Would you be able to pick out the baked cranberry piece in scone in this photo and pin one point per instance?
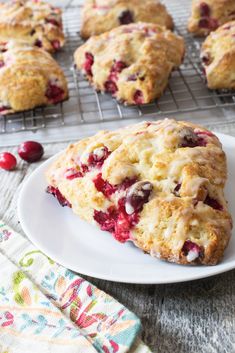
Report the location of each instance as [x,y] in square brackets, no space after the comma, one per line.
[158,184]
[131,62]
[29,77]
[35,22]
[99,16]
[208,15]
[218,57]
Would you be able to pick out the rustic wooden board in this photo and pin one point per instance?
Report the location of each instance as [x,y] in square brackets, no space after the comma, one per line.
[192,317]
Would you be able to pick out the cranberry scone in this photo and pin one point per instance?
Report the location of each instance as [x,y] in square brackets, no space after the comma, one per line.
[208,15]
[157,184]
[36,22]
[29,77]
[99,16]
[131,62]
[218,57]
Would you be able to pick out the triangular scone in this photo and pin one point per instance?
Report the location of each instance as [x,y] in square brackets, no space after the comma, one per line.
[99,16]
[131,62]
[158,184]
[207,15]
[218,57]
[35,22]
[29,77]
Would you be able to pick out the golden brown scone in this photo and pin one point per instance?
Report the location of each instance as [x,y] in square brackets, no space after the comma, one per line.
[158,184]
[208,15]
[218,57]
[35,22]
[99,16]
[131,62]
[29,77]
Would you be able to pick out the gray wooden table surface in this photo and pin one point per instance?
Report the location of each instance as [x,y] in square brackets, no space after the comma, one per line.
[195,317]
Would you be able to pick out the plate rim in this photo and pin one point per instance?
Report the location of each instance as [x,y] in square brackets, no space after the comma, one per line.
[218,269]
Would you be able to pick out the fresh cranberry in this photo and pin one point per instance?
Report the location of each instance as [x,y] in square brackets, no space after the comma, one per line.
[1,63]
[110,87]
[117,221]
[106,220]
[38,43]
[30,151]
[213,203]
[7,161]
[117,67]
[193,248]
[56,44]
[97,157]
[53,22]
[137,196]
[208,23]
[54,93]
[138,97]
[177,189]
[4,109]
[126,17]
[57,194]
[190,139]
[88,63]
[206,59]
[73,173]
[103,185]
[204,10]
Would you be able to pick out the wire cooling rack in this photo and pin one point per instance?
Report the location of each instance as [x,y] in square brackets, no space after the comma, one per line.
[187,91]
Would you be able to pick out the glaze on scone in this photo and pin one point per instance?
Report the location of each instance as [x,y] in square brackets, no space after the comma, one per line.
[131,62]
[29,77]
[158,184]
[35,22]
[99,16]
[208,15]
[218,57]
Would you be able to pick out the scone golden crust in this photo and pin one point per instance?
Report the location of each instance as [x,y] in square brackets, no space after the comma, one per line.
[158,184]
[35,22]
[208,15]
[218,57]
[99,16]
[29,77]
[131,62]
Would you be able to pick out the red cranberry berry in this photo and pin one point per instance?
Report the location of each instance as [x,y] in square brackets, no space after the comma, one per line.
[30,151]
[206,59]
[53,22]
[177,189]
[138,97]
[213,203]
[4,109]
[117,67]
[98,156]
[56,44]
[137,196]
[57,194]
[110,87]
[191,250]
[38,43]
[88,63]
[204,10]
[106,220]
[54,93]
[1,63]
[103,185]
[126,17]
[7,161]
[73,173]
[190,139]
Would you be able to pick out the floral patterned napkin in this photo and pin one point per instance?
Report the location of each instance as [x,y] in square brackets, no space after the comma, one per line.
[44,307]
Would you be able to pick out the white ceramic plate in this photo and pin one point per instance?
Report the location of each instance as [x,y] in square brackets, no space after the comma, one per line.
[85,249]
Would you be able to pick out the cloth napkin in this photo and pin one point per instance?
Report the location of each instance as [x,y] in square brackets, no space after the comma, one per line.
[45,307]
